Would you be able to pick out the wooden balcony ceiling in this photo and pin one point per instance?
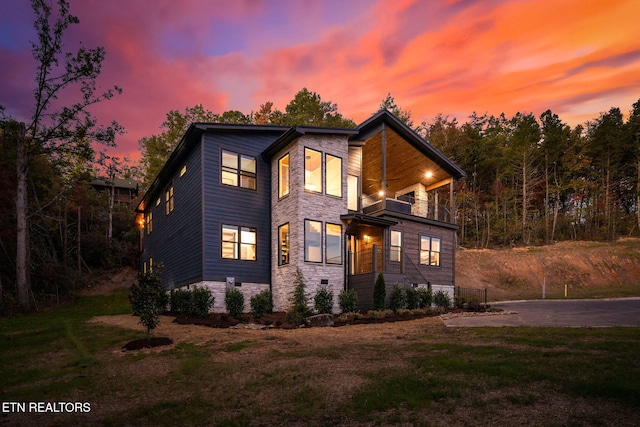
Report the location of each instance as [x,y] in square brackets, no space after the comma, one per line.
[406,165]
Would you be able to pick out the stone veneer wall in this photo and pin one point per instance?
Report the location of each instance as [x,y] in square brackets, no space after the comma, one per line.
[298,206]
[218,290]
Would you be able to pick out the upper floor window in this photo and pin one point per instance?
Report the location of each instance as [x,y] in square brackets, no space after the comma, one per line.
[238,170]
[238,242]
[312,170]
[283,176]
[168,200]
[333,175]
[149,222]
[429,250]
[395,247]
[183,170]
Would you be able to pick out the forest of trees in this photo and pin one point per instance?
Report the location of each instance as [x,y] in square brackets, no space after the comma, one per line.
[530,180]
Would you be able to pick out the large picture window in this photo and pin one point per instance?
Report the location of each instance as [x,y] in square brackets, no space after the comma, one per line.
[238,170]
[312,241]
[312,170]
[333,175]
[333,236]
[283,176]
[395,247]
[283,244]
[238,242]
[429,250]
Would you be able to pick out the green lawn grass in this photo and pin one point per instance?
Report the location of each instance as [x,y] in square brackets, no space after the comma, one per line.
[435,376]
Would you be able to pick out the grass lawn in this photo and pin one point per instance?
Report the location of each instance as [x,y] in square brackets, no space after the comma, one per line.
[409,373]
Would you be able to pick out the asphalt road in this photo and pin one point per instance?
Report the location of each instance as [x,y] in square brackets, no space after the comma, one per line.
[569,313]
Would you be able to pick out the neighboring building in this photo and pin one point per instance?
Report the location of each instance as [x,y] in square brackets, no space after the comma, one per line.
[247,205]
[124,190]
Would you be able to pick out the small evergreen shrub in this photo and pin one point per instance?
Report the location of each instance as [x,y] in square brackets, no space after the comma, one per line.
[299,308]
[261,304]
[323,300]
[379,293]
[201,301]
[348,301]
[234,301]
[412,297]
[379,314]
[148,299]
[442,300]
[425,296]
[397,298]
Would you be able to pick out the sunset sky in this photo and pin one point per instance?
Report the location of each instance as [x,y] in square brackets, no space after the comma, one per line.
[577,58]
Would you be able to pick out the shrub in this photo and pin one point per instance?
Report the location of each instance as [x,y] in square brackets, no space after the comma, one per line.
[323,300]
[261,304]
[379,314]
[299,302]
[442,300]
[379,293]
[234,301]
[348,301]
[201,301]
[397,299]
[425,296]
[180,301]
[148,299]
[412,297]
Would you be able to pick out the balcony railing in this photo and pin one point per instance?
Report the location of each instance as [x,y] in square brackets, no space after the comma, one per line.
[408,206]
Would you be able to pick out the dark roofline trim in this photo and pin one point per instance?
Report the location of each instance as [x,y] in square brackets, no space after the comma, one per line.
[374,124]
[298,131]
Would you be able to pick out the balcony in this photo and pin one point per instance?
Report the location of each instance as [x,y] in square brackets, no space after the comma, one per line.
[407,205]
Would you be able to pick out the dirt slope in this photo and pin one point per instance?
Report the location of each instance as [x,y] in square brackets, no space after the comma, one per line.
[589,269]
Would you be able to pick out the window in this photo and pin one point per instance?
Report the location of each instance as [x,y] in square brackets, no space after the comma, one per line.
[238,242]
[238,170]
[168,200]
[312,170]
[429,250]
[333,249]
[157,201]
[183,170]
[149,222]
[283,244]
[395,248]
[312,241]
[150,264]
[333,175]
[283,176]
[352,192]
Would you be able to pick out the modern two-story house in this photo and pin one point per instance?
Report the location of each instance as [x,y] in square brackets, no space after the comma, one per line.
[246,206]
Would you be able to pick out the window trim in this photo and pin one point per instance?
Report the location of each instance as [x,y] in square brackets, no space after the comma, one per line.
[284,245]
[326,246]
[238,171]
[304,184]
[429,251]
[326,175]
[149,221]
[169,202]
[391,246]
[238,243]
[306,251]
[281,193]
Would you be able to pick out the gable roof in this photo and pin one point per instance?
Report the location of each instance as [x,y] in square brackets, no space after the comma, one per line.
[375,123]
[298,131]
[191,137]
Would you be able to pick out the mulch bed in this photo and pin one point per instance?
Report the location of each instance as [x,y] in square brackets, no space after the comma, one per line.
[280,320]
[150,342]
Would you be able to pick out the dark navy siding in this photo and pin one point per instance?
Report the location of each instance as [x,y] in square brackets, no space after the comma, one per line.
[237,206]
[176,239]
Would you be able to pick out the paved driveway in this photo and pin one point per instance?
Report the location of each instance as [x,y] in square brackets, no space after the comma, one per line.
[572,313]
